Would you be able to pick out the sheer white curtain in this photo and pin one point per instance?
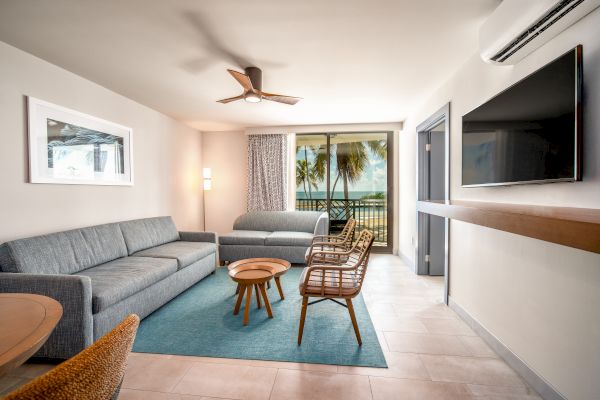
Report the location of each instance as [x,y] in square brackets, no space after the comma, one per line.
[268,172]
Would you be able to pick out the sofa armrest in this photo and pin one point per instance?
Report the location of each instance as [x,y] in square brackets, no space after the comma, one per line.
[74,332]
[322,225]
[198,237]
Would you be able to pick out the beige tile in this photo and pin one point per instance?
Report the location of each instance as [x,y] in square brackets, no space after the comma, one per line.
[478,347]
[409,389]
[390,322]
[227,381]
[447,326]
[436,310]
[9,383]
[130,394]
[305,385]
[503,392]
[402,300]
[259,363]
[380,309]
[382,341]
[507,397]
[159,374]
[426,344]
[482,371]
[31,370]
[400,365]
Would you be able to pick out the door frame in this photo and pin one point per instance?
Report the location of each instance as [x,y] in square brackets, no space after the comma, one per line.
[421,267]
[389,249]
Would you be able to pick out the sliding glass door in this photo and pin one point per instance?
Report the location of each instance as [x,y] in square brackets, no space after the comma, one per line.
[347,175]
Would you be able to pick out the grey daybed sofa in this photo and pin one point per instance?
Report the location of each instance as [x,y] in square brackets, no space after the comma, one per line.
[276,234]
[100,274]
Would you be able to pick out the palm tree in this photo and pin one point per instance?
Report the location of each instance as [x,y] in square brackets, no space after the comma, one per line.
[352,160]
[301,175]
[308,175]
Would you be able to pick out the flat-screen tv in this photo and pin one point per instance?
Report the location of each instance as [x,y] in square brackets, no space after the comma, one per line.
[530,132]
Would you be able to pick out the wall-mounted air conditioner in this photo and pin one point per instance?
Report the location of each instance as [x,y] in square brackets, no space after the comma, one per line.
[518,27]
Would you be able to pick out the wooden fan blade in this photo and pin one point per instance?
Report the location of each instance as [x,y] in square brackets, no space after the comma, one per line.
[243,79]
[229,100]
[280,98]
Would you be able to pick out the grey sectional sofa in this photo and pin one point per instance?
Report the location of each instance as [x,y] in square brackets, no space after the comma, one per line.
[276,234]
[102,273]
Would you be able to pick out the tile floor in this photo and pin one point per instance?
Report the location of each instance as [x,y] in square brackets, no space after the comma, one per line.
[430,352]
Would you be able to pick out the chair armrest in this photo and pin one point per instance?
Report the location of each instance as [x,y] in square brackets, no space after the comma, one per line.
[324,253]
[74,332]
[198,237]
[330,245]
[324,238]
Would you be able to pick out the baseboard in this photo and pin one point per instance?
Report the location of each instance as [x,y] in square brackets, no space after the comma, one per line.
[538,383]
[406,260]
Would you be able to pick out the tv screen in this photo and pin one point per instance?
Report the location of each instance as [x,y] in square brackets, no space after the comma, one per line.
[530,132]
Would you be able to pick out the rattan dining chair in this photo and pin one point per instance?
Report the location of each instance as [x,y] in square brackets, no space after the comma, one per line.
[340,280]
[94,374]
[341,242]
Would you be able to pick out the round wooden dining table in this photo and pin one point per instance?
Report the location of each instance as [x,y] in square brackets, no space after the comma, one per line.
[26,322]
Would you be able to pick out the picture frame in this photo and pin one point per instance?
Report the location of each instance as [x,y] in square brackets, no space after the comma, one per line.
[73,148]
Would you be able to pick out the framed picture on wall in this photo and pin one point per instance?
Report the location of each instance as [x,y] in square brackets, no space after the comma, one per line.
[69,147]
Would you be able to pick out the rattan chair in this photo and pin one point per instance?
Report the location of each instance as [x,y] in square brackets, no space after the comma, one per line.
[341,280]
[94,374]
[341,242]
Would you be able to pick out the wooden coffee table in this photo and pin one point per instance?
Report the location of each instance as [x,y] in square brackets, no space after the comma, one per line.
[250,276]
[280,267]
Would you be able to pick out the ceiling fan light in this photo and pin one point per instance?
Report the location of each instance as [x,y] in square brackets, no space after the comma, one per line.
[252,98]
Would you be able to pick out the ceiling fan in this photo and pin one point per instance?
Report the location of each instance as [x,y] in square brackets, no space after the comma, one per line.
[251,81]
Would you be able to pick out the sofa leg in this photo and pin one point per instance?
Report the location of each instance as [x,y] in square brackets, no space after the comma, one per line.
[221,263]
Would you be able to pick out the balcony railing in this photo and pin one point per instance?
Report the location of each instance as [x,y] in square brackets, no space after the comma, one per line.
[369,214]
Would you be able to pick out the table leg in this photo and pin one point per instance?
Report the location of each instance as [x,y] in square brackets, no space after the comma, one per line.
[237,289]
[238,303]
[267,304]
[248,298]
[257,296]
[279,288]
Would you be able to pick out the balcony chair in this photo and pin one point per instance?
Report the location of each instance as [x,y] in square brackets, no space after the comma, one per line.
[341,242]
[340,280]
[95,373]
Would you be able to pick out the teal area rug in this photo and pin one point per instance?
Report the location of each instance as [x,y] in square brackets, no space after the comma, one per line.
[200,322]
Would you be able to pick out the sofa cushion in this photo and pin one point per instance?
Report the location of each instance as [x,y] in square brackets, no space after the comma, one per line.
[284,238]
[244,237]
[186,253]
[141,234]
[119,279]
[64,252]
[272,221]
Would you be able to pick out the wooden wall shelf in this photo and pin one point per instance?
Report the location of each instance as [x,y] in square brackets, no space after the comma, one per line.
[573,227]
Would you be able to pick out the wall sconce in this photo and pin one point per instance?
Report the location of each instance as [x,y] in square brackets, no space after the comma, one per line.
[207,174]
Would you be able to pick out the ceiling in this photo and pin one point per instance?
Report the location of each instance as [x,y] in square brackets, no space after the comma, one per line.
[352,61]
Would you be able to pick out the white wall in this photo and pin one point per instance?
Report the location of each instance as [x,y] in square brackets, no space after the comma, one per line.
[167,157]
[226,153]
[540,299]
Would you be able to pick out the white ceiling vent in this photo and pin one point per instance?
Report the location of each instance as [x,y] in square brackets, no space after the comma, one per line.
[518,27]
